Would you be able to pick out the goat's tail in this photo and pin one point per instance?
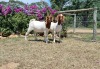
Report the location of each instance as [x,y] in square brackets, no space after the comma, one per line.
[32,20]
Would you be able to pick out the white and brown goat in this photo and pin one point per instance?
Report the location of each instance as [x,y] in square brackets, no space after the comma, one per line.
[39,26]
[56,26]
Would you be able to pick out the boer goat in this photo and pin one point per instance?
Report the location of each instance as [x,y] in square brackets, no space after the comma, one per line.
[56,26]
[39,26]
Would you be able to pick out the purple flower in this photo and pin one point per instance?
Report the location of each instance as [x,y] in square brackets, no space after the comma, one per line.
[53,12]
[40,18]
[6,10]
[39,15]
[49,8]
[25,11]
[38,11]
[33,7]
[17,10]
[44,10]
[30,10]
[26,7]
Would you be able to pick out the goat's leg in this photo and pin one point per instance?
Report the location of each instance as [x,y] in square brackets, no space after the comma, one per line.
[35,35]
[28,31]
[59,36]
[46,36]
[54,36]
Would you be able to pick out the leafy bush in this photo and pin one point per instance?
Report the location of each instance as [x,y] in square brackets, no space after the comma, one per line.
[98,24]
[6,32]
[16,20]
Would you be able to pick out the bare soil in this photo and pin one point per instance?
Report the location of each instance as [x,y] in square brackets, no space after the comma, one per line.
[83,30]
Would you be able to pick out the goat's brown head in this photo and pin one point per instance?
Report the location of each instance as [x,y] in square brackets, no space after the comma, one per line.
[60,18]
[48,21]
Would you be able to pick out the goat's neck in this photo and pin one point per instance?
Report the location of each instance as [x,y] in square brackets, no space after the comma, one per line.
[59,22]
[48,25]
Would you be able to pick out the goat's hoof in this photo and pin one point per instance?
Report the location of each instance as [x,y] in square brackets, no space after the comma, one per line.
[53,41]
[46,42]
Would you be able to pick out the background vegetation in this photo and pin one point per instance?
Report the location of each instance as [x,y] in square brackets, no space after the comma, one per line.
[15,15]
[84,19]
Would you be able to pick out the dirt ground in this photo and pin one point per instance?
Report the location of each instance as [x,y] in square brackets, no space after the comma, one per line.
[74,52]
[82,30]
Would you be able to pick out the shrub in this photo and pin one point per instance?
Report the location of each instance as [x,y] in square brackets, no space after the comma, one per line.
[16,20]
[6,32]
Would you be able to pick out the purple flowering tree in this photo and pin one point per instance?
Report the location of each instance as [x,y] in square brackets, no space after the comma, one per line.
[39,13]
[26,10]
[30,10]
[19,16]
[48,10]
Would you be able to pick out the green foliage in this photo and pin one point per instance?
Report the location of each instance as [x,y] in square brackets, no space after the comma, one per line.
[58,4]
[6,22]
[20,21]
[66,22]
[3,2]
[6,32]
[17,22]
[98,24]
[14,23]
[83,18]
[40,4]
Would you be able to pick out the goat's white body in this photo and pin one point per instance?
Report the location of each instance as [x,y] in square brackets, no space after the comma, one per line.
[37,26]
[55,28]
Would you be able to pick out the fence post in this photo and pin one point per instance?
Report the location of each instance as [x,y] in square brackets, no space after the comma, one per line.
[74,26]
[95,24]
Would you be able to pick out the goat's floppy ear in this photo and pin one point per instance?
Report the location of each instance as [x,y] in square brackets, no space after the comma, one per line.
[63,18]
